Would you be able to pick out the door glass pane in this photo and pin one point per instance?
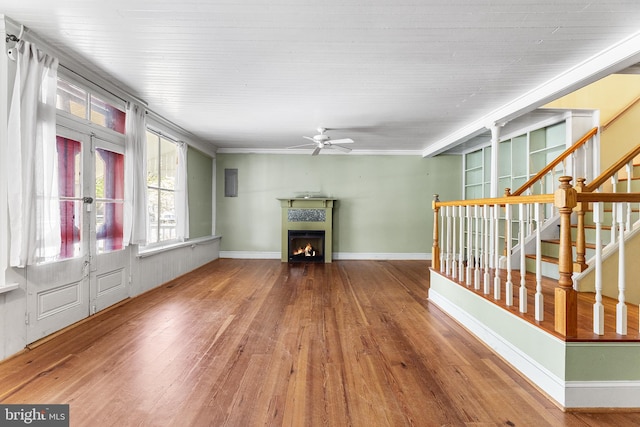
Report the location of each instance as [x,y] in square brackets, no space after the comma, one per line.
[109,207]
[69,187]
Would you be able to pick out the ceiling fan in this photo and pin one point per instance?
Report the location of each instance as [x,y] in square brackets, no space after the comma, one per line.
[322,140]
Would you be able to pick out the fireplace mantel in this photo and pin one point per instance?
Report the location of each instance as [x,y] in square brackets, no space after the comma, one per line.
[307,213]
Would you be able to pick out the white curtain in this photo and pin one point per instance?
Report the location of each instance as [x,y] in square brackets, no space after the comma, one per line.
[33,205]
[135,177]
[181,194]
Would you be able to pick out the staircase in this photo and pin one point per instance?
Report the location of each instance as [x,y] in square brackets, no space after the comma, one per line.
[627,180]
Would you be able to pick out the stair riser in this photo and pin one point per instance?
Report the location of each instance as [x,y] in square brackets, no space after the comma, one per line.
[553,250]
[547,269]
[621,187]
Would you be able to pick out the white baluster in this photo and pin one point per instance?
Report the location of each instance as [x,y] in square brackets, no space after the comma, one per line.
[614,206]
[461,263]
[598,307]
[621,307]
[509,283]
[454,252]
[443,250]
[469,246]
[496,243]
[539,302]
[523,262]
[448,268]
[486,235]
[629,172]
[476,281]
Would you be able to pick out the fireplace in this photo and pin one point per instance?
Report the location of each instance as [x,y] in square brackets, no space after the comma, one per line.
[306,245]
[307,225]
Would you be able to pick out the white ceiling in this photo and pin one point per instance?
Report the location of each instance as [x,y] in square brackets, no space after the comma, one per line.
[391,74]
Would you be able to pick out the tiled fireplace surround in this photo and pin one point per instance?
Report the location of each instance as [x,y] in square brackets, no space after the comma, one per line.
[307,214]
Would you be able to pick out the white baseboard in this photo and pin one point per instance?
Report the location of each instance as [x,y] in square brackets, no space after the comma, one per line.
[381,256]
[336,256]
[249,255]
[602,394]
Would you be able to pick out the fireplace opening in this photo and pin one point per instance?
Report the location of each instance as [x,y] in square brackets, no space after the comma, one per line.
[306,245]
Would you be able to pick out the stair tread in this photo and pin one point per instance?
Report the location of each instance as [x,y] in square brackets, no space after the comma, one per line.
[557,242]
[544,258]
[592,226]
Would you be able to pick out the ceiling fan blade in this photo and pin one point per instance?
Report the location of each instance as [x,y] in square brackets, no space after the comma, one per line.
[316,151]
[342,141]
[309,138]
[341,148]
[303,145]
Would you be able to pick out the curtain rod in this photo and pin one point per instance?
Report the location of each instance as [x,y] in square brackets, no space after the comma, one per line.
[13,38]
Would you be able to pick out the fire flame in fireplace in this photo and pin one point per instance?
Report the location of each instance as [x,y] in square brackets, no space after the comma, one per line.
[307,250]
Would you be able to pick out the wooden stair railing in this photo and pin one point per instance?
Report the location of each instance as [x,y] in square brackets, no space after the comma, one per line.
[549,167]
[612,170]
[566,198]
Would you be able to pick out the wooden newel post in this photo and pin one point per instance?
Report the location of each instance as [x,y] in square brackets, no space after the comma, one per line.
[435,251]
[566,299]
[580,209]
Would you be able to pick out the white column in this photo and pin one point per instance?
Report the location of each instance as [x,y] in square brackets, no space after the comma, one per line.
[495,140]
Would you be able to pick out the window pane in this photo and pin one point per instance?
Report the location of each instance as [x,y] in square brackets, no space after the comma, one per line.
[162,158]
[105,114]
[168,164]
[153,163]
[110,194]
[167,215]
[153,197]
[71,99]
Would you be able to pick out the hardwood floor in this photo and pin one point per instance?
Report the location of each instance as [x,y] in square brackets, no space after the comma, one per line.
[260,342]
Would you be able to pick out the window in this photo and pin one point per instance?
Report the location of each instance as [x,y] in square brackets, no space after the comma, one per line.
[162,165]
[85,105]
[105,114]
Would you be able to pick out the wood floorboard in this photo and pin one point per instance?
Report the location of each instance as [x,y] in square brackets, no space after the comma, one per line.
[260,342]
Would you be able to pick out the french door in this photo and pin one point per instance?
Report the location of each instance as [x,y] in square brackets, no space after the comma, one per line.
[89,271]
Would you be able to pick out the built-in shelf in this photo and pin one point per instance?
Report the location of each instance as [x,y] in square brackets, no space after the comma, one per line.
[8,287]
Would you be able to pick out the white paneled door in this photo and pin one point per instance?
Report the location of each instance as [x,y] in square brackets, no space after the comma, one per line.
[89,271]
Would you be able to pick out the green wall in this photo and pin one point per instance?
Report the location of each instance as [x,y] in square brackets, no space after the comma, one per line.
[200,188]
[383,202]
